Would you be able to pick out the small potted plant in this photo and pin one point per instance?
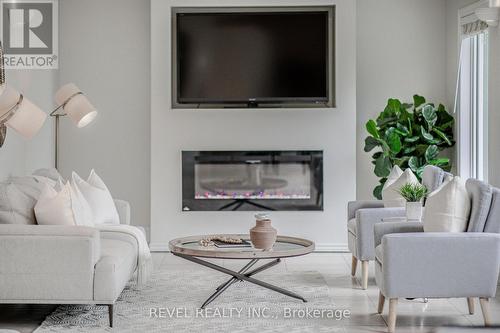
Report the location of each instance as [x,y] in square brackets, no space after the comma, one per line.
[414,195]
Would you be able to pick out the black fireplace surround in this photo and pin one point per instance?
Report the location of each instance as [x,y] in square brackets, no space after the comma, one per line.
[252,180]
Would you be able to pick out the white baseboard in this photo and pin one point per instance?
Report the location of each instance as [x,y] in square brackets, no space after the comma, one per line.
[332,247]
[158,247]
[323,247]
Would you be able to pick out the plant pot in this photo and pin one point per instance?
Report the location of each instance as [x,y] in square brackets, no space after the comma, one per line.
[414,211]
[263,235]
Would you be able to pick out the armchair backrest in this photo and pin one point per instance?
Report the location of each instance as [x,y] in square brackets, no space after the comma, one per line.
[484,214]
[433,177]
[493,221]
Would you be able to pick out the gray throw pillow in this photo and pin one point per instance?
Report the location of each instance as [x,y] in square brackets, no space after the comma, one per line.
[18,197]
[50,173]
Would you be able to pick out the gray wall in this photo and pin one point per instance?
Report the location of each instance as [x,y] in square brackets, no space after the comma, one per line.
[401,47]
[19,156]
[105,50]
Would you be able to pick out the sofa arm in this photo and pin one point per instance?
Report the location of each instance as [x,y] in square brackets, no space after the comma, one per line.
[123,208]
[386,228]
[354,206]
[366,218]
[45,263]
[440,264]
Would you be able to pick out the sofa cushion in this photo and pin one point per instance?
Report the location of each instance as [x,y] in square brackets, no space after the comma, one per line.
[390,193]
[396,172]
[447,209]
[98,197]
[66,207]
[50,173]
[481,195]
[432,177]
[18,197]
[113,270]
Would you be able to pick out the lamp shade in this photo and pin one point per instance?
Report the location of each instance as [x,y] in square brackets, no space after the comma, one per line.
[27,119]
[76,105]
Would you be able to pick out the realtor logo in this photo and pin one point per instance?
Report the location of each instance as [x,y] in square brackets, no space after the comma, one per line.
[29,33]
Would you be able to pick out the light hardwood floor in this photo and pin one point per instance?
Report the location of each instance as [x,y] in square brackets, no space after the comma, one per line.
[413,316]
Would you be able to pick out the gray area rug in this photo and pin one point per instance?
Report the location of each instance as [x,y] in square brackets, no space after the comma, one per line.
[176,297]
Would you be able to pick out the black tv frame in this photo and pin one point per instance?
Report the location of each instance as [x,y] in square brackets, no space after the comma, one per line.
[261,103]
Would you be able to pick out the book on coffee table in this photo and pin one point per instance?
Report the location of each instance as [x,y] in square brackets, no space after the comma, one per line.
[222,244]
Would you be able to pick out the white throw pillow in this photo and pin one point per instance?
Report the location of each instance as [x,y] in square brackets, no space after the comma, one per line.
[98,197]
[64,207]
[54,208]
[390,194]
[396,172]
[81,208]
[447,209]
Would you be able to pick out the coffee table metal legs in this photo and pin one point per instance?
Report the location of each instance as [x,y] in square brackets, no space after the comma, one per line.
[241,275]
[253,272]
[220,289]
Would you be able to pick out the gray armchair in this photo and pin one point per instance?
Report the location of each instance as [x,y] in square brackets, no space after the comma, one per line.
[455,264]
[363,215]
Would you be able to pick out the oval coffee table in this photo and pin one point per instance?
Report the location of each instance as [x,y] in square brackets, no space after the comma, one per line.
[190,249]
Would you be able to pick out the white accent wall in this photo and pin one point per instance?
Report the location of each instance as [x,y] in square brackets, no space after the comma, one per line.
[332,130]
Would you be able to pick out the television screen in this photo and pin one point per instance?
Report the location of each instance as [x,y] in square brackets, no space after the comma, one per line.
[261,57]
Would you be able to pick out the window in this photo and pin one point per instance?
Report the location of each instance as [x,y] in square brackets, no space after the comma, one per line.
[472,102]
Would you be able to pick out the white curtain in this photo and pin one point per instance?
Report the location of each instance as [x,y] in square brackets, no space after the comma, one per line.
[471,100]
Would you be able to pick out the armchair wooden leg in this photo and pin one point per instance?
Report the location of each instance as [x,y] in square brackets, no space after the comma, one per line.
[381,302]
[391,323]
[354,265]
[485,308]
[110,314]
[364,274]
[470,303]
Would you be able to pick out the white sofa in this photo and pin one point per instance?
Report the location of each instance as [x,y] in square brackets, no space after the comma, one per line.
[66,264]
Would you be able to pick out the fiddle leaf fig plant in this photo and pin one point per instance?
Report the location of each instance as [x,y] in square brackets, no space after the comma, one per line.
[410,135]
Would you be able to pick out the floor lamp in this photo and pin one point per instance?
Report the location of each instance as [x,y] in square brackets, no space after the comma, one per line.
[72,103]
[16,111]
[24,117]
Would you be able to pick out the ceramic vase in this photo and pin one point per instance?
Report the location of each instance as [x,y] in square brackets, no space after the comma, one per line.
[414,211]
[263,235]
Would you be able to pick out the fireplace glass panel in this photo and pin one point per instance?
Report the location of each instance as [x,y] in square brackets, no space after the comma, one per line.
[252,181]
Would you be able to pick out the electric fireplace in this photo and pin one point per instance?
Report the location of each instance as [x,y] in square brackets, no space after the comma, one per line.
[252,180]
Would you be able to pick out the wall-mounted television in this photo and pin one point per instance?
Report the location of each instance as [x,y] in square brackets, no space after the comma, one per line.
[253,57]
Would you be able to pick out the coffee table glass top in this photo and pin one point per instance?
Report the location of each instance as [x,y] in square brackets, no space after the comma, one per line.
[284,247]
